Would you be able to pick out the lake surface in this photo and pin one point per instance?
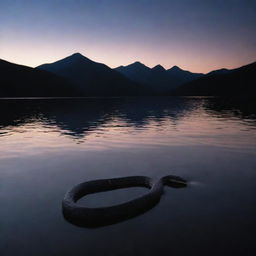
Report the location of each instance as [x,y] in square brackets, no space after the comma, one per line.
[49,145]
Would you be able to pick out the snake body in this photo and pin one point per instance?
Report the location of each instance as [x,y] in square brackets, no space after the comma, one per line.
[81,215]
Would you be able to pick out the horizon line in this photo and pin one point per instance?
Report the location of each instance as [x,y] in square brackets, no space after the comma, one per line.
[123,65]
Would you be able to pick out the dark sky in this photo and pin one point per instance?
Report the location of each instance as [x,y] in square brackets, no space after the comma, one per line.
[198,35]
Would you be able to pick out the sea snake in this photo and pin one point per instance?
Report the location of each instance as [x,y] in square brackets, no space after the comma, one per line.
[83,216]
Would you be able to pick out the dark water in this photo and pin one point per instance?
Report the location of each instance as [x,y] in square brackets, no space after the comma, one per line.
[47,146]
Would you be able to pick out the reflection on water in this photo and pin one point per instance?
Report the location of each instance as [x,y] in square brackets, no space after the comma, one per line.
[49,145]
[117,122]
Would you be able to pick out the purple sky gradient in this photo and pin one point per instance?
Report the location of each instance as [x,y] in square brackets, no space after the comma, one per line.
[199,36]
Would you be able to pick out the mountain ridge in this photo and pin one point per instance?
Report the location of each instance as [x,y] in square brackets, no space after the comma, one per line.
[93,78]
[158,79]
[77,75]
[22,81]
[239,81]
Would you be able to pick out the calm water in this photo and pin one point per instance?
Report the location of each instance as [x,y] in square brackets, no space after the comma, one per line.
[47,146]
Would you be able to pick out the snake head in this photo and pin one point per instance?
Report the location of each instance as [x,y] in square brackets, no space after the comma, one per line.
[174,181]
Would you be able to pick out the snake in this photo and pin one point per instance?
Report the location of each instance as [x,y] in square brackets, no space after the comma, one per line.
[92,217]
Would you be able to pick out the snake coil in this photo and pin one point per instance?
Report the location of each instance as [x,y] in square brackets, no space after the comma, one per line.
[84,216]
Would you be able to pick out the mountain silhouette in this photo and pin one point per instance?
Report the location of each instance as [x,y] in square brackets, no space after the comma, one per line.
[21,81]
[137,72]
[93,78]
[240,81]
[157,78]
[180,76]
[77,75]
[219,72]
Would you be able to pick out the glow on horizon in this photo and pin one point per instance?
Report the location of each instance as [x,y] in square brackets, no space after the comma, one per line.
[196,36]
[33,58]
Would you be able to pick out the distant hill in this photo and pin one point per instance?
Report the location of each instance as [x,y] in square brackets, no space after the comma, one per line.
[93,78]
[240,81]
[77,75]
[180,76]
[219,72]
[157,78]
[21,81]
[137,72]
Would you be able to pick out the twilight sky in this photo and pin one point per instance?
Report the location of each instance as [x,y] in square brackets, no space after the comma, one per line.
[197,35]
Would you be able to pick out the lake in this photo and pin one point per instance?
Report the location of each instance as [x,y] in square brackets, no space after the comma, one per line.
[49,145]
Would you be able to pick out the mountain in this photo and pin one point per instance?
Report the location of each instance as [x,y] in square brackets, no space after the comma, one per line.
[180,76]
[219,72]
[77,75]
[93,78]
[237,82]
[157,78]
[137,72]
[21,81]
